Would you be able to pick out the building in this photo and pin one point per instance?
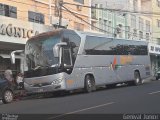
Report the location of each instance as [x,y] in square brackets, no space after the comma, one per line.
[139,20]
[106,21]
[23,19]
[80,18]
[153,7]
[132,25]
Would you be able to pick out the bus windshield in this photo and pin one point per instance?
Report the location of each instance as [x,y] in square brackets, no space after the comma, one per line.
[39,52]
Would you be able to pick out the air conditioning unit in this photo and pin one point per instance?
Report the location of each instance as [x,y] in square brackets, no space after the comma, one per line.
[118,30]
[135,32]
[148,36]
[148,33]
[55,21]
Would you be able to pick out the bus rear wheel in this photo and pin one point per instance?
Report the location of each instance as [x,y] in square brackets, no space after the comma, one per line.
[89,84]
[138,79]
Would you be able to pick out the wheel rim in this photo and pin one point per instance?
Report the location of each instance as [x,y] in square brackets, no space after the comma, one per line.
[137,80]
[8,96]
[89,83]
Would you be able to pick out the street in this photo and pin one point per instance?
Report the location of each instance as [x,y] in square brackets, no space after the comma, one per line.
[143,99]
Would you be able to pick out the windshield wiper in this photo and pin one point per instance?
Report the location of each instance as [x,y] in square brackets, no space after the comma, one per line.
[54,65]
[37,67]
[40,66]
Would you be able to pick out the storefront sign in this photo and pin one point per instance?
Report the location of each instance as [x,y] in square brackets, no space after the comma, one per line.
[19,31]
[154,48]
[13,31]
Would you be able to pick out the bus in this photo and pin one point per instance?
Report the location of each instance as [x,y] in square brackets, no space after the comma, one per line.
[66,60]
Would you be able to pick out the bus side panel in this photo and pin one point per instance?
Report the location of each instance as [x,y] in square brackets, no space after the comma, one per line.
[99,66]
[125,72]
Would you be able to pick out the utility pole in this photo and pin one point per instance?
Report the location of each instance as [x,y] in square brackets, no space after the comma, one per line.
[50,12]
[60,12]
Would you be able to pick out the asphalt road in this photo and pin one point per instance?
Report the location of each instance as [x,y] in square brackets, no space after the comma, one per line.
[143,99]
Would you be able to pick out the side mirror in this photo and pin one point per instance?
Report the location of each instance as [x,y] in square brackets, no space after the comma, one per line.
[13,55]
[56,48]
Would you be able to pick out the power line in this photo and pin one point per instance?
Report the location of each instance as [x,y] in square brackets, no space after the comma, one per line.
[99,23]
[84,20]
[80,14]
[115,10]
[93,7]
[72,12]
[28,4]
[130,33]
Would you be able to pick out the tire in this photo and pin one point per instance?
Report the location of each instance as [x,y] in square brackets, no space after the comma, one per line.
[7,96]
[157,78]
[138,80]
[89,84]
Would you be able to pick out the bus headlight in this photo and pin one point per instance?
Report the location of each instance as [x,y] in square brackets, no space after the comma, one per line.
[57,81]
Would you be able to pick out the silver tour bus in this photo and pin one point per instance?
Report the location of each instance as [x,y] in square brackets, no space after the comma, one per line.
[64,60]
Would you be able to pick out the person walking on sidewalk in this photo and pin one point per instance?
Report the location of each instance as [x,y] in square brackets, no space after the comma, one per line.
[8,74]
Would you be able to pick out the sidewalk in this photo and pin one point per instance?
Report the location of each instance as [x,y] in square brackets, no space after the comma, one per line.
[149,79]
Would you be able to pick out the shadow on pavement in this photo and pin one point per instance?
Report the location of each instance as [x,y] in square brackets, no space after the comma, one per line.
[75,92]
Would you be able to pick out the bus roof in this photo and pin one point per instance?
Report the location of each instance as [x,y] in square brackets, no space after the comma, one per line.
[58,31]
[104,35]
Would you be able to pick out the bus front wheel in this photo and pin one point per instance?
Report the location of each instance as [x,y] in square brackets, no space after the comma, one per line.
[89,84]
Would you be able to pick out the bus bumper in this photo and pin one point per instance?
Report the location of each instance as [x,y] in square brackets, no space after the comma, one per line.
[49,88]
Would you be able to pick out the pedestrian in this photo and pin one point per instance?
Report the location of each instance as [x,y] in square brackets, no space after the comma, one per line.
[8,74]
[19,80]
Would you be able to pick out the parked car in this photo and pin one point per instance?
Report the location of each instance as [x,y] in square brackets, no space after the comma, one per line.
[6,91]
[157,73]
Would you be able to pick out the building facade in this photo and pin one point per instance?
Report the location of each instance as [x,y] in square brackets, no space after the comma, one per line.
[23,19]
[124,15]
[134,19]
[153,7]
[106,21]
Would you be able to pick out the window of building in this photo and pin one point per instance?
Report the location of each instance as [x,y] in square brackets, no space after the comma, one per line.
[133,21]
[101,6]
[93,13]
[128,32]
[105,26]
[158,23]
[101,25]
[8,11]
[140,24]
[147,36]
[135,5]
[148,26]
[80,1]
[120,32]
[93,25]
[158,41]
[35,17]
[110,28]
[158,3]
[78,26]
[140,35]
[134,33]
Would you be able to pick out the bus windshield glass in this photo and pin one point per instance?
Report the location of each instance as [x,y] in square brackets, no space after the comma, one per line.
[39,52]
